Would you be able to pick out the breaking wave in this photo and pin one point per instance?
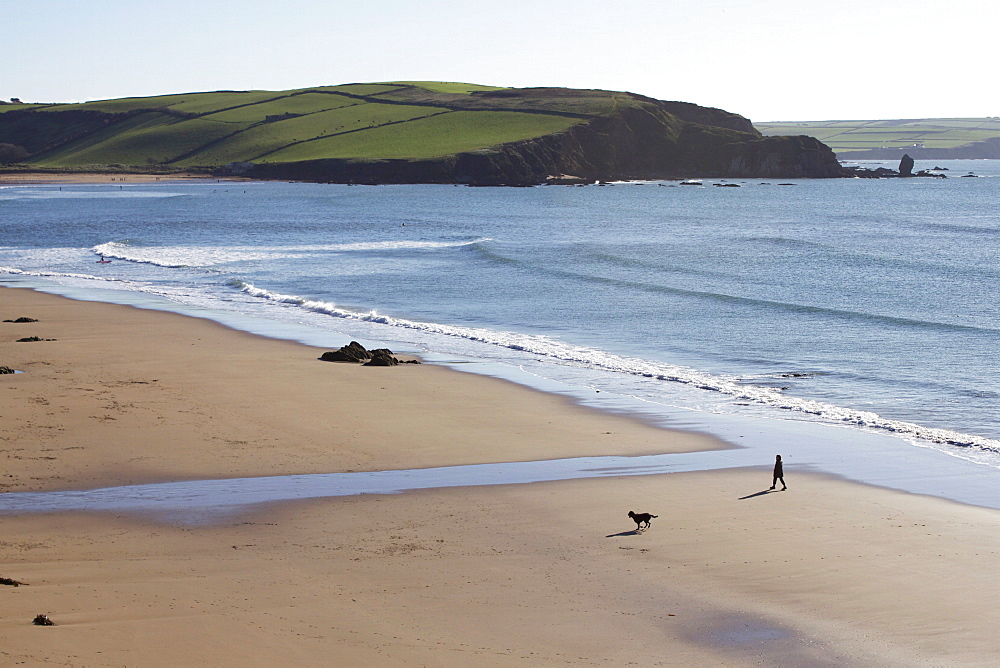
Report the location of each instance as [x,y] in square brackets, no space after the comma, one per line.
[175,257]
[596,359]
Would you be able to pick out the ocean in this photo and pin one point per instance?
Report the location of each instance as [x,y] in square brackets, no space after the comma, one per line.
[865,311]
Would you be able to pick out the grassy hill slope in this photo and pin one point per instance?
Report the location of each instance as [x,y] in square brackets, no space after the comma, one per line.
[407,132]
[930,137]
[361,121]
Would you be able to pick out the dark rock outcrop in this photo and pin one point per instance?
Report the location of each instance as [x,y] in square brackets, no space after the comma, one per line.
[906,165]
[905,170]
[382,357]
[22,319]
[352,352]
[357,353]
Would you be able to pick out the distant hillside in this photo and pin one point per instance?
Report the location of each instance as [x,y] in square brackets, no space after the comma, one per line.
[940,138]
[408,132]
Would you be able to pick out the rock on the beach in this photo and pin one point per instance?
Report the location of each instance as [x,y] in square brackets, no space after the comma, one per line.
[355,352]
[42,620]
[382,357]
[352,352]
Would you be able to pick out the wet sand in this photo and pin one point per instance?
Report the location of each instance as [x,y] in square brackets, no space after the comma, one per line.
[827,573]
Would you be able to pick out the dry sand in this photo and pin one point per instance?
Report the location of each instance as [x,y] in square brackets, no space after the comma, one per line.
[828,573]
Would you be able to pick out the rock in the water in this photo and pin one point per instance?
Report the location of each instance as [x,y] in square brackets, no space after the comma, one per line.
[906,165]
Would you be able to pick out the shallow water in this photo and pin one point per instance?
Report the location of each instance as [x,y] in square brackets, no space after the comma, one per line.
[806,449]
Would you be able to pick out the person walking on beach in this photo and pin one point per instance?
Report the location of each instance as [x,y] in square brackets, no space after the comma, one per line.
[779,474]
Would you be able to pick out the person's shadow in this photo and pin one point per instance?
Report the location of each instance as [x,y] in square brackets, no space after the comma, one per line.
[766,491]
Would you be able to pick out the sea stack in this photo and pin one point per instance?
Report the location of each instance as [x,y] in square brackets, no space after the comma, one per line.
[906,165]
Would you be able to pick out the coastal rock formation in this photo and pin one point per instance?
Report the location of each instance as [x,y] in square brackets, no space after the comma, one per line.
[356,353]
[352,352]
[905,170]
[382,357]
[906,165]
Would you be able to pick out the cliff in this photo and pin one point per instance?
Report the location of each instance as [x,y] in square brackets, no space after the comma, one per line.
[650,139]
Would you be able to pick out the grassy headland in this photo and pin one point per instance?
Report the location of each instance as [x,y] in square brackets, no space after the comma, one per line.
[406,132]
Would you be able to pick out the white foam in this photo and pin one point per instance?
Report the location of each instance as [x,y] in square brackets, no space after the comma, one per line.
[593,358]
[209,256]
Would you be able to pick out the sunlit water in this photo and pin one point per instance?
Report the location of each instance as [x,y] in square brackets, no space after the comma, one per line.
[866,304]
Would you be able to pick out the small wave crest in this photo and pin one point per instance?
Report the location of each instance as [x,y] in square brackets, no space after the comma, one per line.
[58,274]
[592,358]
[175,257]
[389,245]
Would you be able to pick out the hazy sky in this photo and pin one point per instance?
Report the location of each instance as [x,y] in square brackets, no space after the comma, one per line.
[765,59]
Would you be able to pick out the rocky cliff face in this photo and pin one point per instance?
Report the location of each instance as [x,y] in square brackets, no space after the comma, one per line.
[656,140]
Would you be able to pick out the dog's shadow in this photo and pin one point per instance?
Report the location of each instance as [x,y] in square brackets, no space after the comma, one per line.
[633,532]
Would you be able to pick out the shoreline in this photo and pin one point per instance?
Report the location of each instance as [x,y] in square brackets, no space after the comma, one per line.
[865,456]
[90,178]
[831,572]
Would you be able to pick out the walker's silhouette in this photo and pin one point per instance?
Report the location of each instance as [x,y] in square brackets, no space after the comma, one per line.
[779,474]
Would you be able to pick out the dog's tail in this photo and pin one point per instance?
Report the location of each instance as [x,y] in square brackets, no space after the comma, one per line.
[654,515]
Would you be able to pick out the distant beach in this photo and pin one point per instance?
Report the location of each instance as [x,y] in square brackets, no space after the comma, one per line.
[29,178]
[829,572]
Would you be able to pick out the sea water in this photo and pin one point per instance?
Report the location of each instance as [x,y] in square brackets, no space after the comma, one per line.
[864,306]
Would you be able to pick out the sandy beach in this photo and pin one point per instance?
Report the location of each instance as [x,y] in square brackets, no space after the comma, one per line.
[68,178]
[827,573]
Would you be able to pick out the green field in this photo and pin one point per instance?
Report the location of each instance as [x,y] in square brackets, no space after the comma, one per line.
[362,121]
[431,136]
[930,133]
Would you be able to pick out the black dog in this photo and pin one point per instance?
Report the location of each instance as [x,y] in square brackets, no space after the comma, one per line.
[640,518]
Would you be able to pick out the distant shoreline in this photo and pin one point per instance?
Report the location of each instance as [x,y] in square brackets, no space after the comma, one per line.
[37,178]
